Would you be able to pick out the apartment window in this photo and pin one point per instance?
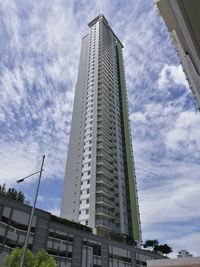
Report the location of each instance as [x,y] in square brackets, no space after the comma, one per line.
[87,211]
[88,181]
[87,201]
[88,172]
[79,211]
[86,222]
[88,191]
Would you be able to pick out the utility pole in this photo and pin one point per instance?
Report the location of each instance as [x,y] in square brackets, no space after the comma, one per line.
[32,212]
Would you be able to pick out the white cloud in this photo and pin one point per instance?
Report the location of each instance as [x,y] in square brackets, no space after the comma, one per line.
[17,160]
[172,74]
[190,242]
[39,67]
[185,133]
[137,116]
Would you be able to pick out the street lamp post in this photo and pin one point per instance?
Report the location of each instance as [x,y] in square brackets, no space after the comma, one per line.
[32,212]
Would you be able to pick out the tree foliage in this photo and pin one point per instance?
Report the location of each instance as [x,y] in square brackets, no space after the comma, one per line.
[156,247]
[150,243]
[12,193]
[13,260]
[165,249]
[41,259]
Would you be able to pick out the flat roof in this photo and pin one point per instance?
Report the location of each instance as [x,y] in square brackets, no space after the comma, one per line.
[185,262]
[92,22]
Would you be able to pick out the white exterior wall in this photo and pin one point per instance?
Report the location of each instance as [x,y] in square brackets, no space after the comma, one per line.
[96,182]
[72,182]
[189,69]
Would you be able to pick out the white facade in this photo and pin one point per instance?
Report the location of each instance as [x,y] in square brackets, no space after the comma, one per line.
[100,187]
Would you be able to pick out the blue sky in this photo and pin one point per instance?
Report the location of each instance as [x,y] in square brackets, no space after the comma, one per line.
[40,46]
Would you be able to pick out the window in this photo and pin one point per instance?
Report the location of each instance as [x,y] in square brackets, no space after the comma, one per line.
[88,172]
[87,211]
[86,222]
[87,201]
[79,211]
[88,181]
[88,191]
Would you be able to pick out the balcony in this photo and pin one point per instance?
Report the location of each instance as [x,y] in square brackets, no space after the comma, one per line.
[102,162]
[104,223]
[103,170]
[102,211]
[105,181]
[100,189]
[104,154]
[102,200]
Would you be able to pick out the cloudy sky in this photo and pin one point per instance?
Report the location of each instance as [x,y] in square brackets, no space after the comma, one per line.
[39,54]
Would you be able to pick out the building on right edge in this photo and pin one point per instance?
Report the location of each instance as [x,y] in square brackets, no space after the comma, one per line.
[183,22]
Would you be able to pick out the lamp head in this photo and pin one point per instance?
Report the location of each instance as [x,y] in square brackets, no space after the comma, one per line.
[20,180]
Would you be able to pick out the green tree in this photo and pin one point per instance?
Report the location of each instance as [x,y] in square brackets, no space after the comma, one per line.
[13,260]
[156,247]
[20,197]
[41,259]
[3,189]
[9,193]
[165,249]
[14,193]
[151,243]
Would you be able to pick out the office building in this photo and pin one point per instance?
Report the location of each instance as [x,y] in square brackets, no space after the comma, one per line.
[71,244]
[100,186]
[182,20]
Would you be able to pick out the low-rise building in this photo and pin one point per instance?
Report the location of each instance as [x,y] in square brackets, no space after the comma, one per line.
[71,244]
[184,254]
[180,262]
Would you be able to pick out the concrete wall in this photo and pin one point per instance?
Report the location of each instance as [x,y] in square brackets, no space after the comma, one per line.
[68,245]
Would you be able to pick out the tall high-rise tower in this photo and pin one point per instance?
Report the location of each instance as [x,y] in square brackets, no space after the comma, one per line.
[100,187]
